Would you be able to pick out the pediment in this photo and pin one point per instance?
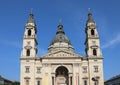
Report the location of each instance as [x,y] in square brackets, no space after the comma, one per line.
[62,54]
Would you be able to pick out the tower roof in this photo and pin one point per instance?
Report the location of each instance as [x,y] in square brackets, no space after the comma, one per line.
[60,36]
[90,19]
[31,18]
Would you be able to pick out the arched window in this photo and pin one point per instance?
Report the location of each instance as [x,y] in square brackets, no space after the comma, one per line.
[28,52]
[85,82]
[29,32]
[92,32]
[27,82]
[96,82]
[94,52]
[38,82]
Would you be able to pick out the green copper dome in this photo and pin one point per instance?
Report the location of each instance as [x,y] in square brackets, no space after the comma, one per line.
[60,36]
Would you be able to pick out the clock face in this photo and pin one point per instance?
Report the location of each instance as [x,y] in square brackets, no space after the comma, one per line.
[28,43]
[93,42]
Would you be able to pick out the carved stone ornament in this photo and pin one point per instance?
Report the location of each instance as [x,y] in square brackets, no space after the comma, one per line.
[28,47]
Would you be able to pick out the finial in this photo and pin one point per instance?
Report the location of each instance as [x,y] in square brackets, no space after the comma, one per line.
[31,12]
[89,10]
[60,24]
[60,21]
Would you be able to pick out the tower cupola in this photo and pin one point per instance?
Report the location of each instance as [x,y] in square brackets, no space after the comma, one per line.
[90,19]
[31,18]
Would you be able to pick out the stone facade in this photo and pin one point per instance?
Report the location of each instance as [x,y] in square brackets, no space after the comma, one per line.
[61,65]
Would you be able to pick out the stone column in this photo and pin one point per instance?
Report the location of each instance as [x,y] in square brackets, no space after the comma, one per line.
[53,78]
[69,80]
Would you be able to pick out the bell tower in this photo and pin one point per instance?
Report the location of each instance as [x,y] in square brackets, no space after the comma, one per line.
[93,53]
[29,39]
[92,38]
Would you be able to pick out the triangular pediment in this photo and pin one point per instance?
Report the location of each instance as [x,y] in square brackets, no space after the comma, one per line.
[62,53]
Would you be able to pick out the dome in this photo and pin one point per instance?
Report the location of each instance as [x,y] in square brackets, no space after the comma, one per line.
[60,36]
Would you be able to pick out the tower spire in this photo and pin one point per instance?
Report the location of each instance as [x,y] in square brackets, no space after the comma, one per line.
[90,19]
[31,17]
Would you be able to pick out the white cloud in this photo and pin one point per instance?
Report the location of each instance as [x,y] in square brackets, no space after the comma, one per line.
[112,42]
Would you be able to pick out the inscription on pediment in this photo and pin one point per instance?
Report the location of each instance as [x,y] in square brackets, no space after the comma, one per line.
[61,54]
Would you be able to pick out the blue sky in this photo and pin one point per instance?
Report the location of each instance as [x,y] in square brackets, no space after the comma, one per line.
[47,13]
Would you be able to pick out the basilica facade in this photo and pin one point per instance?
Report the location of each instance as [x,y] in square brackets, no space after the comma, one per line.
[61,65]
